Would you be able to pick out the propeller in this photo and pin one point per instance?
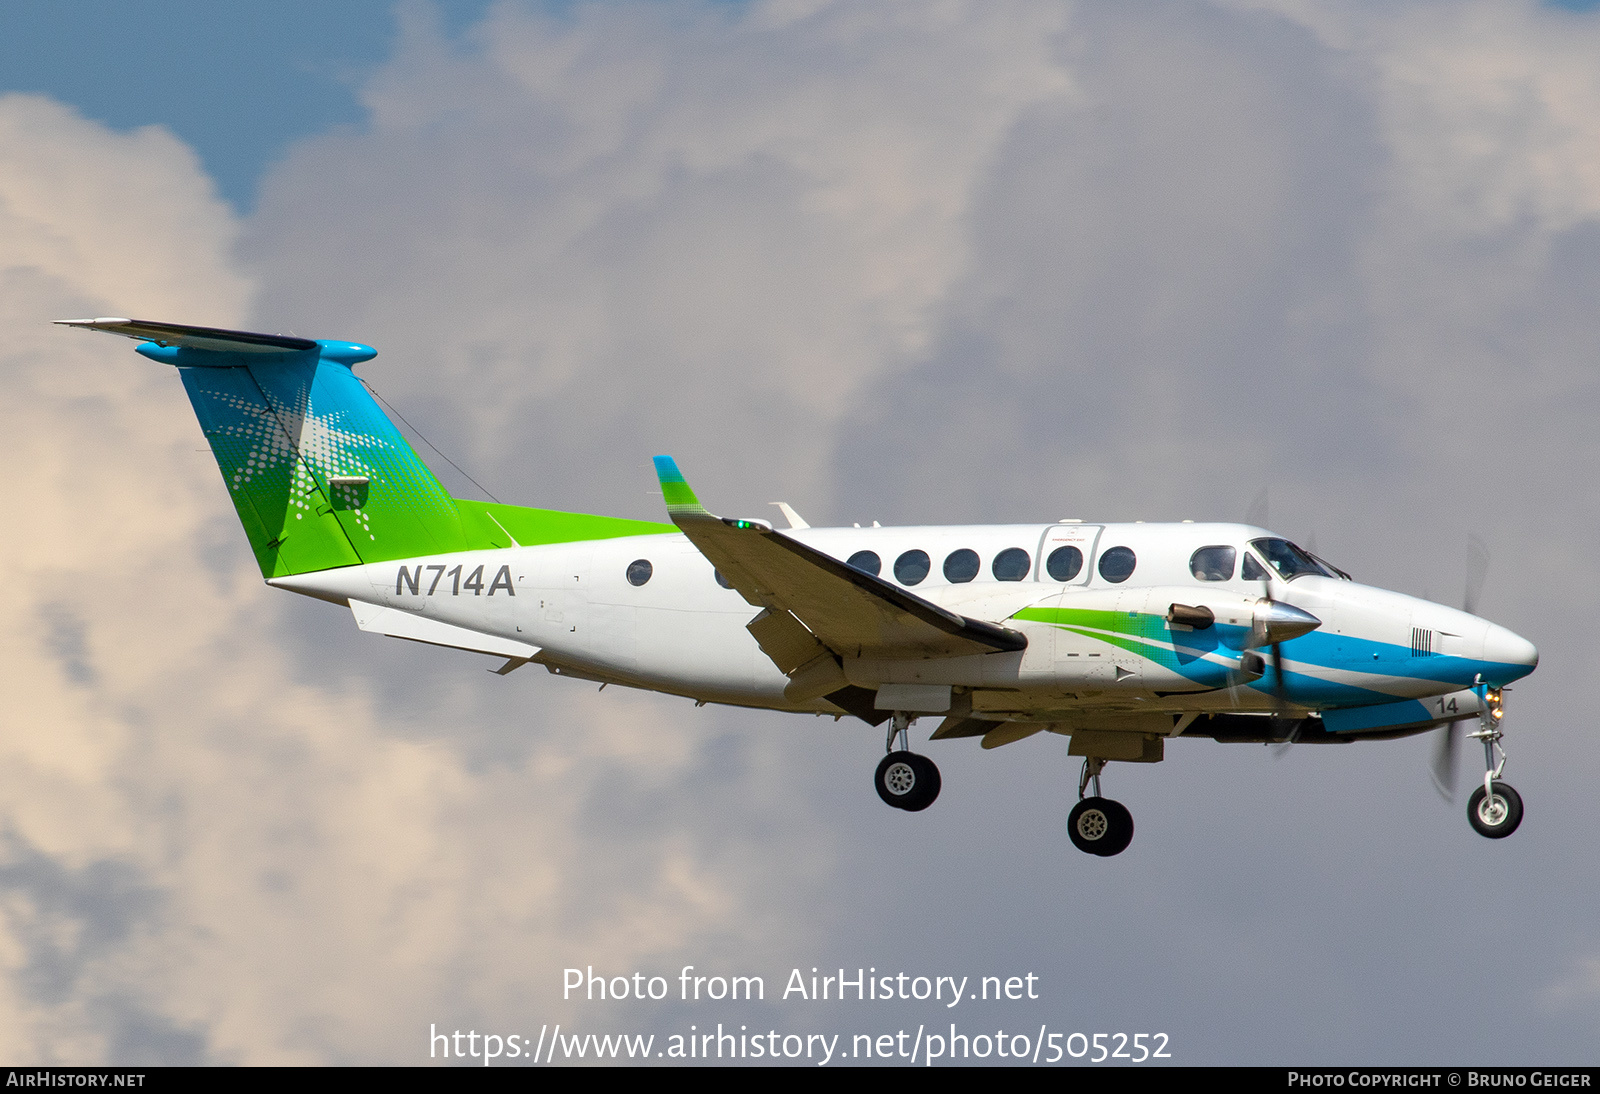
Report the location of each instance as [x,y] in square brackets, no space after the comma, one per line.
[1446,756]
[1251,666]
[1257,513]
[1447,745]
[1477,570]
[1279,751]
[1275,623]
[1280,704]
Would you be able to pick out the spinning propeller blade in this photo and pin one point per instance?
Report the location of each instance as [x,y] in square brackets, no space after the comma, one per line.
[1447,748]
[1279,706]
[1477,570]
[1276,623]
[1446,752]
[1257,513]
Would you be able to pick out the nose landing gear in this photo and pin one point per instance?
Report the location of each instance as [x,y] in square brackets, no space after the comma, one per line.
[904,779]
[1494,809]
[1098,825]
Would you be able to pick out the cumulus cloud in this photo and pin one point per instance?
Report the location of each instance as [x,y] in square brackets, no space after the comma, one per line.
[1006,262]
[203,854]
[633,217]
[919,262]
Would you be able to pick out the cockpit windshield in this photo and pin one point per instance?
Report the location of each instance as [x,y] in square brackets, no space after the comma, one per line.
[1326,565]
[1290,561]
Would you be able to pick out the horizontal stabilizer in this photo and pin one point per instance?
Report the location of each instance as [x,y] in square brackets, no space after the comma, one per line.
[207,338]
[853,613]
[416,628]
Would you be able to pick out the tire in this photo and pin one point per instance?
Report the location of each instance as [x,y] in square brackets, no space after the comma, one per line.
[928,787]
[1100,826]
[1498,816]
[907,781]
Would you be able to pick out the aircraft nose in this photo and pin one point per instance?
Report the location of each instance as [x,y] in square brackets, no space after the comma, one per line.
[1511,650]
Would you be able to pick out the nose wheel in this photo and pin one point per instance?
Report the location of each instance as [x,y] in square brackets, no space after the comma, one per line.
[1494,810]
[904,779]
[1098,825]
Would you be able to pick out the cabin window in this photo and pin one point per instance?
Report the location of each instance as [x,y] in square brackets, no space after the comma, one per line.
[1252,570]
[724,582]
[1290,561]
[1213,563]
[911,567]
[1012,564]
[867,562]
[960,566]
[1064,563]
[639,571]
[1116,565]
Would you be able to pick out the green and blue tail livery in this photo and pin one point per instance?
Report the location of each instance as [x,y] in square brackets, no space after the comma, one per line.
[319,475]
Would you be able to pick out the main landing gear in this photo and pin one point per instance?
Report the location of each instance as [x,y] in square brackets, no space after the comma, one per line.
[1494,809]
[904,779]
[1098,825]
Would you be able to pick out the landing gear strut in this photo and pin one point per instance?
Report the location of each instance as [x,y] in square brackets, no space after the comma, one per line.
[1098,825]
[904,779]
[1494,809]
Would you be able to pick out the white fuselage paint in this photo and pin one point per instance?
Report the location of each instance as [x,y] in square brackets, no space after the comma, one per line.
[683,633]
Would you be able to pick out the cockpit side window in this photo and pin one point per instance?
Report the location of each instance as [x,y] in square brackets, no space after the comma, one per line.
[1212,563]
[1290,561]
[1252,570]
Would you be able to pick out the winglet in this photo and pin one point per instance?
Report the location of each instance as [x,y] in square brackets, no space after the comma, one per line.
[679,498]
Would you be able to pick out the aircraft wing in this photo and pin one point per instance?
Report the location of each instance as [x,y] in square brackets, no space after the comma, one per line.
[852,613]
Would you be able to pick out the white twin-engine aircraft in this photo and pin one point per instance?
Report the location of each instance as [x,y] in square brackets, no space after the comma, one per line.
[1116,636]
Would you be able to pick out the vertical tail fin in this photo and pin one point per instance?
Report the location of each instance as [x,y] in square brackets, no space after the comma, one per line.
[319,475]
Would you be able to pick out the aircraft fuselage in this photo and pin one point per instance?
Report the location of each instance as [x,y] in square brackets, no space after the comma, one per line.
[1092,642]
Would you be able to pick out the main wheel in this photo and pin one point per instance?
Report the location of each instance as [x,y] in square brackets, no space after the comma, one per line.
[907,781]
[1100,826]
[1495,816]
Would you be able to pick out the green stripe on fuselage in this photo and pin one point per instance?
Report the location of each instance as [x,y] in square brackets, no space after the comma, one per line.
[489,523]
[1137,632]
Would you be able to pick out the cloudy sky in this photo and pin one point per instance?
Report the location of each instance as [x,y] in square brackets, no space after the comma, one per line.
[918,262]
